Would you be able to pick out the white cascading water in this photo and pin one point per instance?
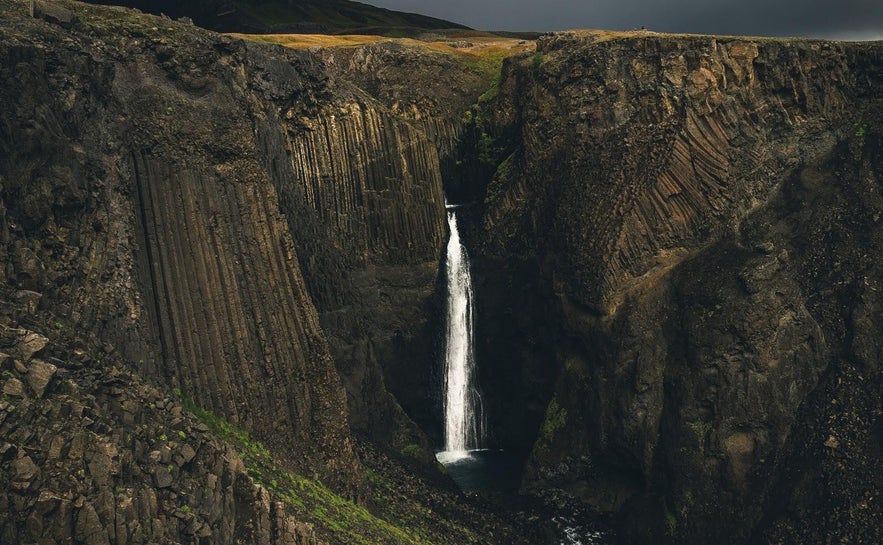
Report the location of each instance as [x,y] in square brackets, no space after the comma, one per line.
[463,411]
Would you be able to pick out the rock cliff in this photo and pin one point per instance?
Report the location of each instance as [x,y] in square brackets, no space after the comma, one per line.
[135,149]
[678,257]
[216,225]
[371,167]
[221,265]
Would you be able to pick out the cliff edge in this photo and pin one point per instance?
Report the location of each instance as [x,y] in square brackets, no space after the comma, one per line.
[684,228]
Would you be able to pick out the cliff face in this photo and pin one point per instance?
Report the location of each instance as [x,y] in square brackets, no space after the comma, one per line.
[175,208]
[227,223]
[93,454]
[697,220]
[372,184]
[367,167]
[212,246]
[199,280]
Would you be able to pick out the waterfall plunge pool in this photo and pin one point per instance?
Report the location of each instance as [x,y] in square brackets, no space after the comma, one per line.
[496,474]
[486,472]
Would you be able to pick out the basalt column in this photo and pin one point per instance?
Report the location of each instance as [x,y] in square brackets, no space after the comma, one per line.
[221,280]
[369,184]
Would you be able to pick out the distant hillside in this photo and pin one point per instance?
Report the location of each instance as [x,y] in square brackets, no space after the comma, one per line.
[294,16]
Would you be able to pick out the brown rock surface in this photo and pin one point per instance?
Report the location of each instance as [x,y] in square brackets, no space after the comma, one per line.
[675,249]
[170,198]
[199,280]
[39,376]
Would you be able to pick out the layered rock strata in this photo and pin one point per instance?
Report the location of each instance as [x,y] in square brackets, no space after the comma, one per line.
[695,219]
[136,198]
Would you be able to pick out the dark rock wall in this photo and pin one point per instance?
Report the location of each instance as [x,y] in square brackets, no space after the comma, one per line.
[367,168]
[667,314]
[675,265]
[195,131]
[168,237]
[372,182]
[92,454]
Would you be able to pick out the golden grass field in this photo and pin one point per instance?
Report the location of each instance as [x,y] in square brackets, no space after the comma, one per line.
[484,51]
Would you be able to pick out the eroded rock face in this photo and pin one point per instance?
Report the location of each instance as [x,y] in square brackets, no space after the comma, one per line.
[136,200]
[100,457]
[286,227]
[679,207]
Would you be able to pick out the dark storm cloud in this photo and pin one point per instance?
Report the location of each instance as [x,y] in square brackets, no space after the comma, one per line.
[844,19]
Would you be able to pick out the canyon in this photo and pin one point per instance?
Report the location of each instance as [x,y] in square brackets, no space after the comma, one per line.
[224,280]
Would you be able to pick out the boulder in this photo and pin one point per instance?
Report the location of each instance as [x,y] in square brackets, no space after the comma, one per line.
[162,477]
[14,388]
[40,375]
[24,472]
[53,13]
[30,343]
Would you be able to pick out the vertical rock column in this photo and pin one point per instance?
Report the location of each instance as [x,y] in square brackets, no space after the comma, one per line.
[374,180]
[238,331]
[373,183]
[220,278]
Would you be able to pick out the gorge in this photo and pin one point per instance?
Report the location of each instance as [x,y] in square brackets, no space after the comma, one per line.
[464,419]
[225,284]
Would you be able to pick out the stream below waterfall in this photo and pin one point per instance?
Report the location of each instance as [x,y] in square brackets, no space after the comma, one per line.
[490,473]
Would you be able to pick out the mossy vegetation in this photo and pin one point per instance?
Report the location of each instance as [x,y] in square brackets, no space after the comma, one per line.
[483,54]
[397,518]
[556,418]
[671,522]
[700,430]
[413,451]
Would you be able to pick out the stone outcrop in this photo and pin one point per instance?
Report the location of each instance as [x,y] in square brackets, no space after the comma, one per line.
[96,456]
[684,229]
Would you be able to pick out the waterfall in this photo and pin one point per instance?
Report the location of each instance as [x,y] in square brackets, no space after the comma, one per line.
[463,411]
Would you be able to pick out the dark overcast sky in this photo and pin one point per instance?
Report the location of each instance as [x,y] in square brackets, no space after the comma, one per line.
[840,19]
